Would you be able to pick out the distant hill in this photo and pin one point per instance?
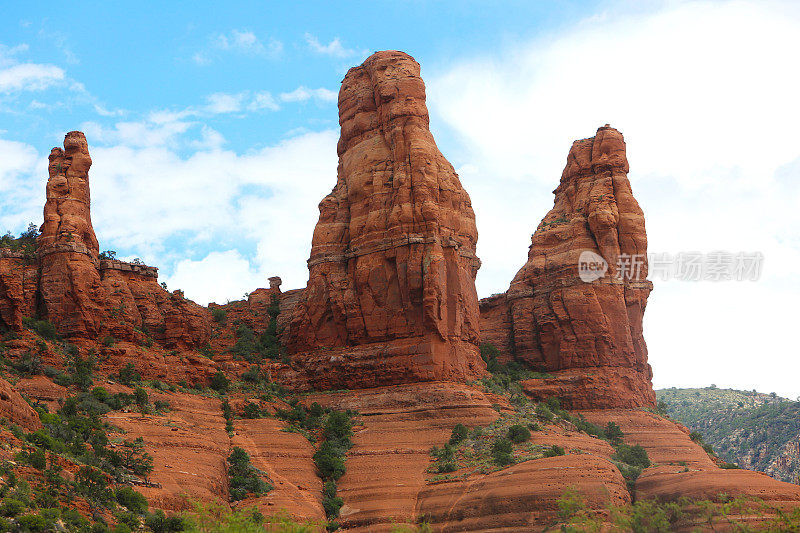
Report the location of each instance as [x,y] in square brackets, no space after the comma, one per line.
[754,430]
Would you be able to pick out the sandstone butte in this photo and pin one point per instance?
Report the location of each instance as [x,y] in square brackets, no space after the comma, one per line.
[391,292]
[588,335]
[390,312]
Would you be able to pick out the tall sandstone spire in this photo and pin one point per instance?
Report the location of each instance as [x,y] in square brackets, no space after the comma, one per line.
[83,295]
[588,333]
[70,285]
[391,293]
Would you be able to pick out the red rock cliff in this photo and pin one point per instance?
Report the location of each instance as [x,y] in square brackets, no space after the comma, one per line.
[588,333]
[391,295]
[84,297]
[69,284]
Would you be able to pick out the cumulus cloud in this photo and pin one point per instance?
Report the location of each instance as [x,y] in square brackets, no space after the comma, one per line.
[20,166]
[238,41]
[29,77]
[232,276]
[333,48]
[147,196]
[704,97]
[303,94]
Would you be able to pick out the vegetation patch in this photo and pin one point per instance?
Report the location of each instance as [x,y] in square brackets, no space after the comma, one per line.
[720,513]
[245,479]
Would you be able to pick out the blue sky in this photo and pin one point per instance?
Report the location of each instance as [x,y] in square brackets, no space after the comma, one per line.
[213,131]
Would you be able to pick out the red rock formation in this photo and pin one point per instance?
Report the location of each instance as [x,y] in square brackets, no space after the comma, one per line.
[18,284]
[69,285]
[391,295]
[15,409]
[558,321]
[681,468]
[87,298]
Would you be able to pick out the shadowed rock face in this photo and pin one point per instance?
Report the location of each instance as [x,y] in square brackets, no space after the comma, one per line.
[393,262]
[556,321]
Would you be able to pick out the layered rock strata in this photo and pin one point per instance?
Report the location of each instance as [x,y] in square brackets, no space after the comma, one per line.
[83,296]
[558,318]
[391,295]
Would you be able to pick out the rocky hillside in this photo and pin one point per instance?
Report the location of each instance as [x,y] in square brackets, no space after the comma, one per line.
[382,396]
[754,430]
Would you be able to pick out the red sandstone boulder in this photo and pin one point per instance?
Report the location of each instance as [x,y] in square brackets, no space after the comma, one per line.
[391,294]
[555,320]
[15,409]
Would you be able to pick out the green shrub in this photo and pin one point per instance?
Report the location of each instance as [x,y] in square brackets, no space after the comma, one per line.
[159,522]
[632,455]
[570,503]
[43,328]
[128,374]
[501,451]
[109,341]
[128,519]
[329,461]
[132,500]
[518,433]
[11,507]
[730,466]
[554,451]
[251,410]
[338,427]
[34,523]
[36,459]
[42,438]
[101,394]
[244,478]
[489,351]
[93,483]
[219,314]
[141,398]
[220,383]
[330,502]
[543,412]
[445,467]
[460,432]
[444,453]
[613,433]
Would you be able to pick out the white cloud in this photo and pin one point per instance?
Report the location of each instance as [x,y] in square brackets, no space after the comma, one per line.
[302,94]
[7,53]
[238,41]
[704,97]
[20,202]
[219,103]
[333,48]
[145,195]
[263,100]
[218,277]
[29,77]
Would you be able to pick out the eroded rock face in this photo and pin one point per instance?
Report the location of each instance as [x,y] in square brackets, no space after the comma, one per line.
[393,262]
[558,321]
[85,297]
[69,284]
[14,408]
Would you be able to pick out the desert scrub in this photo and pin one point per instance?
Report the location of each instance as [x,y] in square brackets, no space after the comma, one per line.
[504,442]
[337,428]
[720,513]
[255,348]
[245,479]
